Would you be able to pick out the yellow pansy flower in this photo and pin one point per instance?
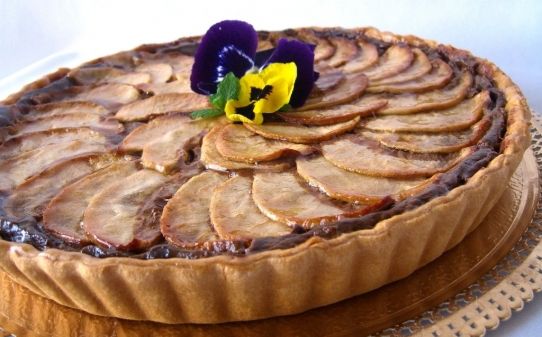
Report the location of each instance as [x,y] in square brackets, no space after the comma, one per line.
[263,92]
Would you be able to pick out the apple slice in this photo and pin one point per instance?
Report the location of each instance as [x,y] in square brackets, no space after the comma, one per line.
[237,143]
[347,90]
[456,118]
[177,86]
[324,49]
[28,142]
[185,221]
[161,104]
[367,57]
[19,168]
[159,72]
[111,96]
[345,50]
[354,187]
[283,197]
[419,67]
[235,216]
[431,142]
[97,75]
[394,61]
[215,161]
[73,120]
[327,80]
[65,108]
[365,156]
[301,133]
[31,197]
[333,115]
[64,214]
[116,217]
[441,74]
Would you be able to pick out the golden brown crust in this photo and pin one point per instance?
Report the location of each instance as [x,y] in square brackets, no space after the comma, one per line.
[226,288]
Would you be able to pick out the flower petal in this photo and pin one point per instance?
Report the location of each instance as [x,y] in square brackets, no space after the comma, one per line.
[228,46]
[280,77]
[302,54]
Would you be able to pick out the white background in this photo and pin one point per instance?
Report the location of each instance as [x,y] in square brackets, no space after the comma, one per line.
[39,36]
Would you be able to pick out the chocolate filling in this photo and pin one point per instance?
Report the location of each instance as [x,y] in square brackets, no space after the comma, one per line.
[31,230]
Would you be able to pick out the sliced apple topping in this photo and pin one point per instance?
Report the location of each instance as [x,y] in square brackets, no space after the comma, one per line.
[64,214]
[345,50]
[285,198]
[31,197]
[165,152]
[115,216]
[235,216]
[215,161]
[441,74]
[28,142]
[73,120]
[159,72]
[237,143]
[354,187]
[324,49]
[177,86]
[431,142]
[185,221]
[366,156]
[66,108]
[15,170]
[301,133]
[96,75]
[162,104]
[333,115]
[449,96]
[419,67]
[111,96]
[347,90]
[456,118]
[367,57]
[395,60]
[327,80]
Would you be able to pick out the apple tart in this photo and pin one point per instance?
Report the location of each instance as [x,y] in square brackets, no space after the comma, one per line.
[118,203]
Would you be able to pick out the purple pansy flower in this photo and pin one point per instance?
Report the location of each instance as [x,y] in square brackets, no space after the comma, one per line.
[230,46]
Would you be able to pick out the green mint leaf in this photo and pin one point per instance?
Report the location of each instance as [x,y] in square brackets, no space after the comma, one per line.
[227,89]
[285,108]
[206,113]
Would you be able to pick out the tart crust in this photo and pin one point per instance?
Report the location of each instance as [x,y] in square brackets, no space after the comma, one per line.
[281,281]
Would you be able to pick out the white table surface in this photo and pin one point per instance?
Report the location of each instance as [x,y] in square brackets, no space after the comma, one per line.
[37,37]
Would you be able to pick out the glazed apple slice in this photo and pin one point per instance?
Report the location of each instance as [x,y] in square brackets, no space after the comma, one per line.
[19,168]
[365,156]
[296,204]
[64,214]
[96,75]
[354,187]
[345,50]
[177,86]
[235,216]
[419,67]
[456,118]
[367,57]
[111,96]
[324,49]
[185,221]
[116,217]
[394,61]
[66,108]
[449,96]
[31,197]
[73,120]
[162,104]
[347,90]
[28,142]
[301,133]
[333,115]
[212,159]
[328,80]
[431,142]
[159,72]
[441,74]
[237,143]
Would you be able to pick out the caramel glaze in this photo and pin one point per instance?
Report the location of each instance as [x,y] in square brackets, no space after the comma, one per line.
[30,230]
